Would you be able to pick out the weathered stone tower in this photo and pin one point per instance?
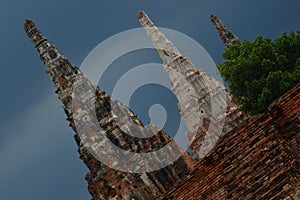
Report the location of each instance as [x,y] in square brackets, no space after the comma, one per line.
[257,159]
[96,119]
[226,35]
[204,103]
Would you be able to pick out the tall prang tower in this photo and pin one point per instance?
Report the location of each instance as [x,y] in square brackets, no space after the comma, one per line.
[96,119]
[205,105]
[226,35]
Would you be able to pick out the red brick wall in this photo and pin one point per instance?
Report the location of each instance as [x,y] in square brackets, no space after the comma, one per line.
[260,159]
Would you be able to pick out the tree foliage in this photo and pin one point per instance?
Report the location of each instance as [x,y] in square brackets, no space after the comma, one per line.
[258,72]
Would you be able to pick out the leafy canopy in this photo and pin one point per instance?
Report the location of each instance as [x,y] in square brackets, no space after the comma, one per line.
[258,72]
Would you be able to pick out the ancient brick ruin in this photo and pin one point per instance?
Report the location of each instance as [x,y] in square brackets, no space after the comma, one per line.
[204,104]
[259,159]
[226,35]
[105,182]
[250,158]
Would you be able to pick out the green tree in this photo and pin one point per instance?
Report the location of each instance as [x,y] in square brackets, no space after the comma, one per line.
[258,72]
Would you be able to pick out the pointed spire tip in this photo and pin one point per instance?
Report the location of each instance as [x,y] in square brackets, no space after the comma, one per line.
[226,35]
[212,16]
[141,14]
[28,22]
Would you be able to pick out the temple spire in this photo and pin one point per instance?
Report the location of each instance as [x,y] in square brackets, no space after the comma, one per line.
[167,51]
[34,33]
[144,19]
[226,35]
[106,135]
[203,102]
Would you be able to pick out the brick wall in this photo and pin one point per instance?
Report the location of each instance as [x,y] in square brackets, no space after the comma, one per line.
[260,159]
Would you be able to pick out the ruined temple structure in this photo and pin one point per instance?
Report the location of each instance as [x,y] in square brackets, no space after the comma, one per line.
[240,157]
[226,35]
[206,107]
[259,159]
[80,98]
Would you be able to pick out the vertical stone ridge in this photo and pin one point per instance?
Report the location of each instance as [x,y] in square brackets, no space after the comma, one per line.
[226,35]
[105,182]
[203,102]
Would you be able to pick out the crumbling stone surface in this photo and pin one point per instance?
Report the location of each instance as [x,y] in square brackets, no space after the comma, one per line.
[226,35]
[80,99]
[206,107]
[259,159]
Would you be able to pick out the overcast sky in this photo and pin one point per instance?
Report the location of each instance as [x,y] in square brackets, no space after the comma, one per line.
[38,156]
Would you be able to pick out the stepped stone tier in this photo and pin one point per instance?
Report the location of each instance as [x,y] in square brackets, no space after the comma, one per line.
[259,159]
[206,107]
[94,118]
[226,35]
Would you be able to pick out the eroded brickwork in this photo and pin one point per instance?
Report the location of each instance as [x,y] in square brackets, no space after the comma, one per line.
[259,159]
[90,113]
[226,35]
[204,104]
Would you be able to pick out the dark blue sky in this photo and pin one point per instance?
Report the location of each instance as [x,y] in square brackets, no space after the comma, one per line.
[38,157]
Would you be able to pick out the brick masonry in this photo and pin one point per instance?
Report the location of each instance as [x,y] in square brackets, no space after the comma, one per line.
[259,159]
[80,100]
